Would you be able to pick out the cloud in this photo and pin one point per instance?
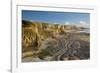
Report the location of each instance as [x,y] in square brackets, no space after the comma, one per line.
[83,23]
[67,23]
[55,23]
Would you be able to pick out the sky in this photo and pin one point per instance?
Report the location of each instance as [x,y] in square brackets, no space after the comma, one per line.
[57,17]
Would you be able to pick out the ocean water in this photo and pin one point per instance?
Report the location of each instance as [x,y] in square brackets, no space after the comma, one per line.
[86,30]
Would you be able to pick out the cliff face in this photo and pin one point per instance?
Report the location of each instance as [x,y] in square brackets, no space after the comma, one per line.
[35,34]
